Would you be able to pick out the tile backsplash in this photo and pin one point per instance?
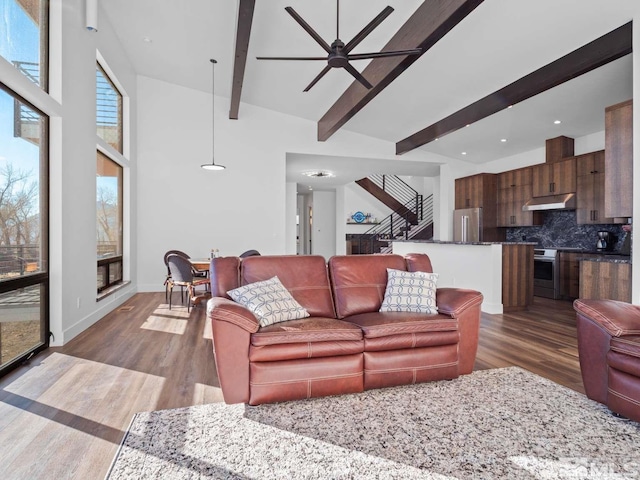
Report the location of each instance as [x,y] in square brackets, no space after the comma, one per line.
[560,229]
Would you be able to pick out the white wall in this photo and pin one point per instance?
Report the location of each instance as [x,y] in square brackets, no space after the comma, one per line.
[184,207]
[73,170]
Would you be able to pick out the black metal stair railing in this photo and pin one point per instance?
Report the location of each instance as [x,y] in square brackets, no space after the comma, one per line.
[397,188]
[397,226]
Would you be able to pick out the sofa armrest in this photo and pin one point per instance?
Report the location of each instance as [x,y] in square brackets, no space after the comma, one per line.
[454,301]
[463,305]
[232,326]
[597,322]
[617,318]
[225,310]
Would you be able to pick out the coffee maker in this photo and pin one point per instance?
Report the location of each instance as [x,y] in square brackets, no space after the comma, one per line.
[606,241]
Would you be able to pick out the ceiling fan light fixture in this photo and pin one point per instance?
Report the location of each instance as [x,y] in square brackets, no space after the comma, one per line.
[319,174]
[212,166]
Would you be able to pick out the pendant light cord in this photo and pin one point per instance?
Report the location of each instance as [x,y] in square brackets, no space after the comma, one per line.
[213,109]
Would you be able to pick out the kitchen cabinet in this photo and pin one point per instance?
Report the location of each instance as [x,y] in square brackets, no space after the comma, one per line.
[569,273]
[470,191]
[514,190]
[480,191]
[558,148]
[554,178]
[605,280]
[618,186]
[590,188]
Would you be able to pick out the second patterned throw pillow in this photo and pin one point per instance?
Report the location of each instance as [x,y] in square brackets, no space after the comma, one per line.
[410,292]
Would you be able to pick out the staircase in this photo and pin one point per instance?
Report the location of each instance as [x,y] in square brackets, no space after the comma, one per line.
[412,216]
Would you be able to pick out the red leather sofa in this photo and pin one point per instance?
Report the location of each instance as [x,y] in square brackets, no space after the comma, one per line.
[346,345]
[609,351]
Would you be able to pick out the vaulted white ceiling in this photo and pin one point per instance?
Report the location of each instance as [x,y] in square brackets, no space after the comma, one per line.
[498,43]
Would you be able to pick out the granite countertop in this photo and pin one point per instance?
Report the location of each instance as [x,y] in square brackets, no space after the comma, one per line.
[611,258]
[445,242]
[597,255]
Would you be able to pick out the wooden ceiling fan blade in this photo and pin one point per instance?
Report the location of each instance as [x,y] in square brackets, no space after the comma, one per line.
[357,75]
[395,53]
[308,29]
[324,71]
[292,58]
[367,30]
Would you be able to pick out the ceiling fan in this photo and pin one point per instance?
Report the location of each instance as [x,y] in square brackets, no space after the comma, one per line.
[339,54]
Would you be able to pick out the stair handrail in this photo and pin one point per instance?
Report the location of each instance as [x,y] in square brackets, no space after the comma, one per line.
[395,186]
[397,224]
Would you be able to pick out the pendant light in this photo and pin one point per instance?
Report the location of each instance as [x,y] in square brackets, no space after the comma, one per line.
[212,165]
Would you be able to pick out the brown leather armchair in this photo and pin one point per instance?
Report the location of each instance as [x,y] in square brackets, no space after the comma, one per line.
[609,350]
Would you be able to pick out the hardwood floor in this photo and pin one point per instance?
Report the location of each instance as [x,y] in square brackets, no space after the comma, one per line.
[64,414]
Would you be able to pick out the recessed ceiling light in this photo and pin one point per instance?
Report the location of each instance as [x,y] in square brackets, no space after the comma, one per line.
[464,153]
[503,140]
[510,106]
[557,122]
[319,174]
[468,124]
[147,40]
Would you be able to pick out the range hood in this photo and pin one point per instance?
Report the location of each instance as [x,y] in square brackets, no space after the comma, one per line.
[566,201]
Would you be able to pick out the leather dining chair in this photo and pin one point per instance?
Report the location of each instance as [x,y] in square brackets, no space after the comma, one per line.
[196,273]
[182,275]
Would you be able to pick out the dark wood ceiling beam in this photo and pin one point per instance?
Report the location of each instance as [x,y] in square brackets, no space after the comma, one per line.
[601,51]
[429,23]
[243,32]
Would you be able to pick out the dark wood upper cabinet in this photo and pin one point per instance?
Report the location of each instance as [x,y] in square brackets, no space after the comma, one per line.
[554,178]
[590,169]
[514,190]
[618,187]
[480,191]
[558,148]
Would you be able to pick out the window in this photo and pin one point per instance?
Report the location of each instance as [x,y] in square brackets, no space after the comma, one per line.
[23,229]
[109,221]
[108,110]
[24,37]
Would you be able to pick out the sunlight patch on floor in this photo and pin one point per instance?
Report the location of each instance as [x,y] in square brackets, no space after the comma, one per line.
[163,324]
[206,394]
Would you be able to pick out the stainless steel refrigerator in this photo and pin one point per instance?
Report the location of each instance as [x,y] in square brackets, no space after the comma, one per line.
[467,225]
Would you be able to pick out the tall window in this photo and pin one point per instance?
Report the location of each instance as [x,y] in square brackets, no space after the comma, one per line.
[24,37]
[23,229]
[109,221]
[108,110]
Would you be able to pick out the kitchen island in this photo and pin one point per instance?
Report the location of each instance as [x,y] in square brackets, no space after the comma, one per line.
[501,271]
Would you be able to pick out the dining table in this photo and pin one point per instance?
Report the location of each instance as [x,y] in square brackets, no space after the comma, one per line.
[200,264]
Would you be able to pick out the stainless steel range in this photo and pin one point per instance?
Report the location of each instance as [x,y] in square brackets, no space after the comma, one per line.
[546,278]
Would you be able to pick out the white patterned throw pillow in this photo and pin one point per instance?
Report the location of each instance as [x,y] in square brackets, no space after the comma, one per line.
[270,301]
[410,292]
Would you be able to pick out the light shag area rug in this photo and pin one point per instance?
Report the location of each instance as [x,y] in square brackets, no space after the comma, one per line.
[505,423]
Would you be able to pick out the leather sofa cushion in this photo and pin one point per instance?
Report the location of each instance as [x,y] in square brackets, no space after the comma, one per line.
[298,379]
[627,345]
[304,276]
[297,351]
[624,355]
[307,330]
[359,281]
[617,318]
[403,367]
[384,324]
[410,340]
